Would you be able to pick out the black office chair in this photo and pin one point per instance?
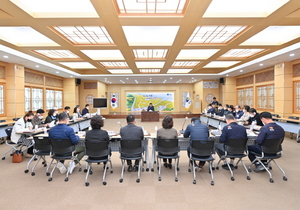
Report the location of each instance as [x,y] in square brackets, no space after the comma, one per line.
[131,150]
[293,118]
[271,149]
[202,150]
[41,149]
[62,149]
[235,148]
[97,152]
[167,148]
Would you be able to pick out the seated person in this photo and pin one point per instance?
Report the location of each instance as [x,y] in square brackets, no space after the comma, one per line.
[37,119]
[269,131]
[196,131]
[131,132]
[226,111]
[51,116]
[238,112]
[231,110]
[231,131]
[220,110]
[150,108]
[96,134]
[210,109]
[167,132]
[254,118]
[245,117]
[67,111]
[19,126]
[85,110]
[76,112]
[62,131]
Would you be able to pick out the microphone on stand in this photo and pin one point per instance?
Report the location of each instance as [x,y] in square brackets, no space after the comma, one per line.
[120,124]
[182,131]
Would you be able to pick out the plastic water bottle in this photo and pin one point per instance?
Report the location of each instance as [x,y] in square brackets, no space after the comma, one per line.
[45,130]
[155,128]
[220,128]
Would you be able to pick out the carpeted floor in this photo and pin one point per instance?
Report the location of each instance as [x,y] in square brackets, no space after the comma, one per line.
[23,191]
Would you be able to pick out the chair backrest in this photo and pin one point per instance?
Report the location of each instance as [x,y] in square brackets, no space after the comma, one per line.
[236,146]
[1,121]
[275,115]
[131,147]
[42,143]
[8,133]
[272,146]
[202,147]
[62,146]
[96,149]
[167,146]
[293,117]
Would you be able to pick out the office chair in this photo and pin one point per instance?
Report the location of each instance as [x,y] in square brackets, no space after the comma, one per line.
[167,148]
[131,150]
[271,149]
[202,150]
[235,148]
[294,118]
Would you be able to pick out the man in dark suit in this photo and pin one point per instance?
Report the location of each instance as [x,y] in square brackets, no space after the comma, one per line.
[150,108]
[220,110]
[85,110]
[131,132]
[210,109]
[196,131]
[254,118]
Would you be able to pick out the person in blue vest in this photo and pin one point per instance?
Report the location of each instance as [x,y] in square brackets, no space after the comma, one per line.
[150,108]
[238,112]
[211,109]
[85,110]
[270,130]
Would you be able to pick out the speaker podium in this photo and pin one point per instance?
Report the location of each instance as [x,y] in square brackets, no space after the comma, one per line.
[149,116]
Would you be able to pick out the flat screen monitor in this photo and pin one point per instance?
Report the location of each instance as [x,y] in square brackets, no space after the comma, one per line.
[100,102]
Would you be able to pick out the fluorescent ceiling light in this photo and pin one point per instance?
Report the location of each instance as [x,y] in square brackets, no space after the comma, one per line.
[57,8]
[241,53]
[150,64]
[57,54]
[274,35]
[165,6]
[215,34]
[178,71]
[150,53]
[24,37]
[243,8]
[114,64]
[150,35]
[220,64]
[78,65]
[149,70]
[84,35]
[104,54]
[186,63]
[196,54]
[120,71]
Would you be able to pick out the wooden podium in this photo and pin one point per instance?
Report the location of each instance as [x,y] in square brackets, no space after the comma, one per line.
[149,116]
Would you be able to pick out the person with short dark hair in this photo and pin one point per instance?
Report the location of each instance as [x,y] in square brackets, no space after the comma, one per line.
[226,111]
[214,101]
[270,130]
[167,132]
[67,111]
[196,131]
[131,132]
[254,118]
[85,110]
[62,131]
[51,116]
[37,119]
[150,108]
[210,109]
[231,131]
[238,112]
[97,134]
[220,110]
[245,117]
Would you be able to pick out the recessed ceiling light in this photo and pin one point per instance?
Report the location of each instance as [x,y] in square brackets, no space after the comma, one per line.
[71,76]
[241,70]
[57,72]
[227,75]
[37,66]
[192,77]
[127,78]
[171,78]
[261,64]
[5,56]
[292,54]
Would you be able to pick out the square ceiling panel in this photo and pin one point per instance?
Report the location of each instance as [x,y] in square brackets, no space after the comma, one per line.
[78,65]
[150,64]
[274,35]
[57,54]
[29,37]
[241,53]
[243,8]
[215,34]
[220,64]
[149,71]
[185,63]
[178,71]
[104,54]
[84,35]
[151,6]
[150,35]
[150,53]
[57,8]
[196,54]
[113,64]
[120,71]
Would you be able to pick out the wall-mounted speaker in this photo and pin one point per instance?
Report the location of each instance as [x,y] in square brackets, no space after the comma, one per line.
[78,82]
[222,80]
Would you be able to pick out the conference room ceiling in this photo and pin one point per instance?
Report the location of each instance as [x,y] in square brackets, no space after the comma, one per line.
[139,41]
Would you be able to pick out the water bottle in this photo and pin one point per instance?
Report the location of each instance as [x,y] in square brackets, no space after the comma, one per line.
[45,130]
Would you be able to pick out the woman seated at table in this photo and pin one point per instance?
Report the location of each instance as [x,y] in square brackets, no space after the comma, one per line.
[22,124]
[245,117]
[167,132]
[96,134]
[51,116]
[76,112]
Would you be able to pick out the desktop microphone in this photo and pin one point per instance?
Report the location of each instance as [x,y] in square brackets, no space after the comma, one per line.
[182,131]
[120,124]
